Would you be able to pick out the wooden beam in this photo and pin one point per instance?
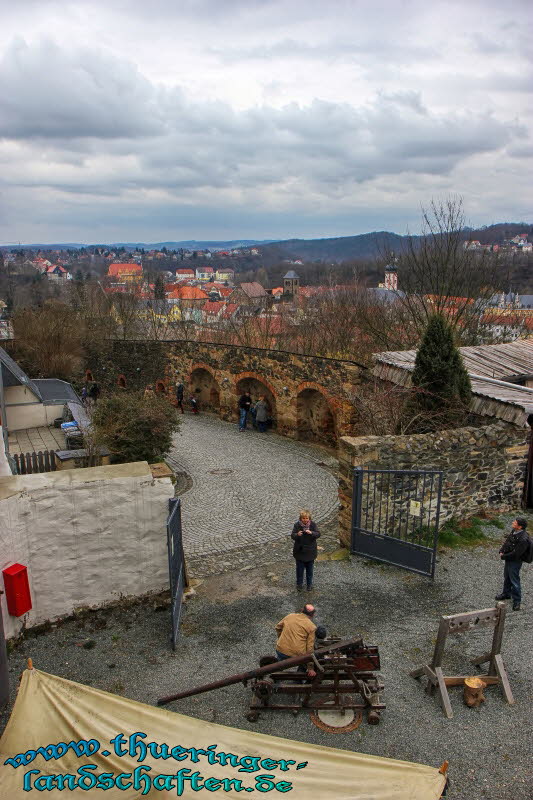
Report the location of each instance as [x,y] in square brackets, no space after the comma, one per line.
[444,696]
[500,669]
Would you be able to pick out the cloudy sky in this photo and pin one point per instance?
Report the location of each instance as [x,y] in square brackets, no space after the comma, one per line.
[174,119]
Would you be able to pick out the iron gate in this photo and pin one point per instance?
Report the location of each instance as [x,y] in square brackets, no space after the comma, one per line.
[176,565]
[395,517]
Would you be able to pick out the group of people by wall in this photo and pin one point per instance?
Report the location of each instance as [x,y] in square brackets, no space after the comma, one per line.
[259,412]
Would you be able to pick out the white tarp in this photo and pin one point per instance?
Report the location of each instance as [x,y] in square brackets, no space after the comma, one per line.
[94,747]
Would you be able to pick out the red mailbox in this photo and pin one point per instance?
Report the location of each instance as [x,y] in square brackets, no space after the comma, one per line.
[17,588]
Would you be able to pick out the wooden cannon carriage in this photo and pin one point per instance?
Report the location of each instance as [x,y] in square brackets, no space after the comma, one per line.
[339,676]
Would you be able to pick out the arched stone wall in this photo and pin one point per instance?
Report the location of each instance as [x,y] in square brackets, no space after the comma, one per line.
[221,367]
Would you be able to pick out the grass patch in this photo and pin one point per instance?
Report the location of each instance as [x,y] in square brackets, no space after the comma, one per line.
[464,533]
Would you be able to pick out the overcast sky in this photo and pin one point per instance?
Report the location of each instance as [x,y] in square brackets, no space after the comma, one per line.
[222,119]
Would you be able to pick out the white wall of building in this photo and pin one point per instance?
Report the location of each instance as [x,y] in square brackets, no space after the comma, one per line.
[87,536]
[23,409]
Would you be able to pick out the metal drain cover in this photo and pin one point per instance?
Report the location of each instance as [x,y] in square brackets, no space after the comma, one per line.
[332,720]
[221,472]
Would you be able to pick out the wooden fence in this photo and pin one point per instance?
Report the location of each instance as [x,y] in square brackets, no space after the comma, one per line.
[30,463]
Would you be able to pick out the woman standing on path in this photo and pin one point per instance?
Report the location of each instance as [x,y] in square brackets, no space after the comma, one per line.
[304,535]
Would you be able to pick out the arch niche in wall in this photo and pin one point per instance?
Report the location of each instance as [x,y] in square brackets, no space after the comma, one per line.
[256,387]
[315,421]
[205,388]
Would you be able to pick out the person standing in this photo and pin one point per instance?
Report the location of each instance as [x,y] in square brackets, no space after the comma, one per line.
[512,552]
[93,392]
[261,414]
[245,403]
[179,396]
[304,535]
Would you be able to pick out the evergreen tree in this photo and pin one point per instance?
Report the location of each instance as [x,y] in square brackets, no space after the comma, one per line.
[441,385]
[159,288]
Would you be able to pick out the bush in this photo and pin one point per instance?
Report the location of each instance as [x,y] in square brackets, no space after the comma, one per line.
[135,427]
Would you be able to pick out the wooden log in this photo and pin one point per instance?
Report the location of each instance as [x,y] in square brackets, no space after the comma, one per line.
[473,691]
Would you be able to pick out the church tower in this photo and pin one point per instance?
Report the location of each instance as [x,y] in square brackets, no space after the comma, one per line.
[391,277]
[291,283]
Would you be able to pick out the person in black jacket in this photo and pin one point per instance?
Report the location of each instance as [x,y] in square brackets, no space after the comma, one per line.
[304,535]
[245,403]
[512,552]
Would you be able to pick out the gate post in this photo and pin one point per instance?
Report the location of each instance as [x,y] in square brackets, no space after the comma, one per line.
[357,502]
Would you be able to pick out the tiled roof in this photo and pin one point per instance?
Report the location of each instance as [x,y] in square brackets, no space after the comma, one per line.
[124,269]
[253,289]
[213,307]
[188,293]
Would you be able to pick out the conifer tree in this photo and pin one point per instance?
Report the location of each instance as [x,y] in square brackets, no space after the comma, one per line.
[441,389]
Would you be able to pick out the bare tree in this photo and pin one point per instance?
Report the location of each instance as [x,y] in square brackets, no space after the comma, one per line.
[49,341]
[438,275]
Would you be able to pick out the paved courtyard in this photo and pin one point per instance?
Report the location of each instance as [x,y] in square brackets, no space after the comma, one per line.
[31,440]
[247,488]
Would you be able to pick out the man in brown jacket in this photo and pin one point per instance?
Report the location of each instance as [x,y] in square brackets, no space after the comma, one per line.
[296,633]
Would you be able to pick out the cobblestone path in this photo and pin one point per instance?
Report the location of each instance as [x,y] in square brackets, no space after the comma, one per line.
[247,488]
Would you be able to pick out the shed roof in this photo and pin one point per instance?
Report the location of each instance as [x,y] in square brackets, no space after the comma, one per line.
[489,363]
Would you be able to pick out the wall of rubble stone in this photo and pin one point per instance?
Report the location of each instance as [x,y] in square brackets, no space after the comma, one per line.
[484,468]
[309,396]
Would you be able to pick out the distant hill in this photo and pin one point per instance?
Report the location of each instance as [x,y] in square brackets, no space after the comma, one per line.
[372,245]
[190,244]
[343,248]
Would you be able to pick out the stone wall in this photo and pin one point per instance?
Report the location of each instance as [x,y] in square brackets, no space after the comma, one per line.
[484,468]
[309,397]
[87,537]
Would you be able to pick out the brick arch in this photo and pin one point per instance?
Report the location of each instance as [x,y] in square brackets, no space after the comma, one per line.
[334,403]
[160,386]
[259,386]
[202,365]
[256,376]
[121,381]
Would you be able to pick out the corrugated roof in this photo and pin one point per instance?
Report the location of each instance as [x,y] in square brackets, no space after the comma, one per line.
[500,362]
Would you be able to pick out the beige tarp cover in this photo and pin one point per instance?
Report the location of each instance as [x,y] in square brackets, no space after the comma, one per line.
[50,710]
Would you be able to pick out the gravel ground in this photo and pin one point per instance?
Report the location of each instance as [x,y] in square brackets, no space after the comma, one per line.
[229,623]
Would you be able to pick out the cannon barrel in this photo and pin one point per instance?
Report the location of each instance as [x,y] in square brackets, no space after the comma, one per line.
[260,671]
